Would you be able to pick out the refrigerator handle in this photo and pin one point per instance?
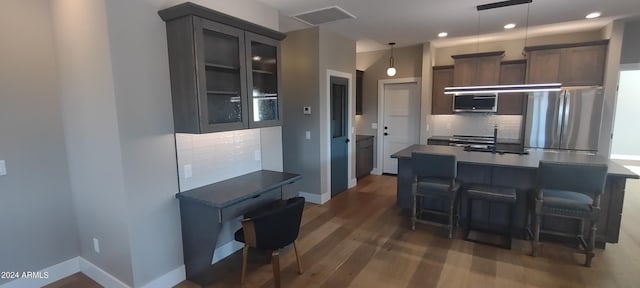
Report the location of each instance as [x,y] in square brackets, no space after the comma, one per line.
[565,117]
[560,122]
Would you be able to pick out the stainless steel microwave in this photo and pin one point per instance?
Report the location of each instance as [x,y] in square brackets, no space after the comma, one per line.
[475,103]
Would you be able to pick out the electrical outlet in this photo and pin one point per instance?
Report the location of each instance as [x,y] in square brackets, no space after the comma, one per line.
[256,155]
[96,245]
[188,171]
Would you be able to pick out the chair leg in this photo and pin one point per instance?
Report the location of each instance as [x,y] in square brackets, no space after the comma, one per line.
[275,262]
[591,244]
[536,235]
[245,254]
[468,228]
[413,213]
[450,226]
[295,248]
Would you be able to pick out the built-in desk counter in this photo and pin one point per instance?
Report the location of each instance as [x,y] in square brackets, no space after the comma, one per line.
[519,171]
[204,209]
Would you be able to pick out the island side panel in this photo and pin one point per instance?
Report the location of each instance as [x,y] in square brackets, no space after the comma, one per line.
[404,181]
[611,217]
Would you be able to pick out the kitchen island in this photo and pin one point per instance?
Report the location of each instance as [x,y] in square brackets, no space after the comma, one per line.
[519,171]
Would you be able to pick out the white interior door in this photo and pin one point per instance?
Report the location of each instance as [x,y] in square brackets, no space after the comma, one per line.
[401,121]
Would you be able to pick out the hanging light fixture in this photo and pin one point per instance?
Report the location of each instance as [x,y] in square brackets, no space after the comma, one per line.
[503,88]
[391,71]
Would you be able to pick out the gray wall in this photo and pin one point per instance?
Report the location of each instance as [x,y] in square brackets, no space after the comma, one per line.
[337,53]
[300,86]
[408,61]
[137,41]
[36,210]
[631,43]
[306,56]
[92,136]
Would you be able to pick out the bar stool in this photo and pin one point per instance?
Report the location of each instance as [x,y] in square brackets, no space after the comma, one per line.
[491,194]
[569,190]
[435,178]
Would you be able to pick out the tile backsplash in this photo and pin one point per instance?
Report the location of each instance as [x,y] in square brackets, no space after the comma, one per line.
[217,156]
[476,124]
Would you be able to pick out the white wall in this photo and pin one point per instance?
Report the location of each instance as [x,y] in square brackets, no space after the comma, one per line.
[36,207]
[626,139]
[92,133]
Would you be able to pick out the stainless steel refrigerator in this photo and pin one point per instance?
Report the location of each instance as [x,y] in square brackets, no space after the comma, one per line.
[568,119]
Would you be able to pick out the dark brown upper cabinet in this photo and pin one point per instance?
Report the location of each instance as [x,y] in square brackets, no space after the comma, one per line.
[441,103]
[224,71]
[512,72]
[477,69]
[577,64]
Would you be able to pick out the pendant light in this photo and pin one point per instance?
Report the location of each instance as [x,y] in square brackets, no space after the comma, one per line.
[503,88]
[391,71]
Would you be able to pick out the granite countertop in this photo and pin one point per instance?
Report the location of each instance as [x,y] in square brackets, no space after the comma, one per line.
[363,137]
[231,191]
[529,161]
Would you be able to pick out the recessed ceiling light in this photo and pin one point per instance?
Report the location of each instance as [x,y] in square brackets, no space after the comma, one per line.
[256,58]
[593,15]
[510,26]
[443,34]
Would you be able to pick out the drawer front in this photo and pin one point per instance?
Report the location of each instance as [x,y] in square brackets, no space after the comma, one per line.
[364,143]
[247,205]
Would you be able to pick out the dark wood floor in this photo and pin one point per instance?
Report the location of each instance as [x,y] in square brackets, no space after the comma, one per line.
[360,239]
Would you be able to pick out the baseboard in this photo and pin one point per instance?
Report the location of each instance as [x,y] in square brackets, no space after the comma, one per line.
[226,250]
[79,264]
[376,171]
[315,198]
[173,278]
[47,275]
[625,157]
[102,277]
[353,183]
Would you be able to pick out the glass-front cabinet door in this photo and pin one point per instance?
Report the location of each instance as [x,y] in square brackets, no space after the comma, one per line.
[221,77]
[262,80]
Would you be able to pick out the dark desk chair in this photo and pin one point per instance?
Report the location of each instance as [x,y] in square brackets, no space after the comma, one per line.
[272,229]
[435,179]
[569,191]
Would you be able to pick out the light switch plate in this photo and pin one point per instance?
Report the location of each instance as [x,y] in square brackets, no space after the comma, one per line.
[374,125]
[3,168]
[257,155]
[188,171]
[307,135]
[306,110]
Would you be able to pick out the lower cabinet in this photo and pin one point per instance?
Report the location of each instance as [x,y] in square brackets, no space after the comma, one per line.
[364,155]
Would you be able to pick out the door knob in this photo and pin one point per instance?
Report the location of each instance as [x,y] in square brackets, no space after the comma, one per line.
[347,140]
[385,127]
[385,133]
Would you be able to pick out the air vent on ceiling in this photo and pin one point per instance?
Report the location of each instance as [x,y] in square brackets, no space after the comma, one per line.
[323,15]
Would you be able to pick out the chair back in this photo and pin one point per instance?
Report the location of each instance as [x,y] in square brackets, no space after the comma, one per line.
[279,227]
[434,165]
[582,178]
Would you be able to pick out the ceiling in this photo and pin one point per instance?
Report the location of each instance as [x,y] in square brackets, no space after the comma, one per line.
[409,22]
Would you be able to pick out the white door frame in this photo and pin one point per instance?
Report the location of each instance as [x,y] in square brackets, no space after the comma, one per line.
[325,118]
[380,141]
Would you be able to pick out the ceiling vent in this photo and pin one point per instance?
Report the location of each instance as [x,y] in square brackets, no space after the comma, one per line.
[323,15]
